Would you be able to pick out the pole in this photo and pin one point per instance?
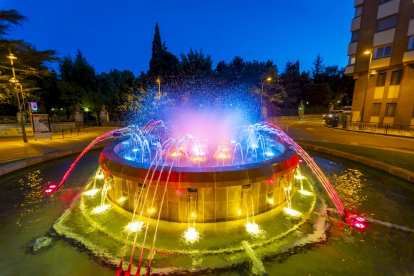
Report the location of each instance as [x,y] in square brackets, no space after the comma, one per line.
[261,100]
[18,101]
[366,87]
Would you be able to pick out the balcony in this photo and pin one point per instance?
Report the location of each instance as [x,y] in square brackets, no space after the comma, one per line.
[408,57]
[388,9]
[349,70]
[380,62]
[352,48]
[384,37]
[356,23]
[358,2]
[411,28]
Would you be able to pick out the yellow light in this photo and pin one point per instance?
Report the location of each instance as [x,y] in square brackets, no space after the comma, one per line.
[91,192]
[175,154]
[298,176]
[101,209]
[13,80]
[11,56]
[252,228]
[222,156]
[367,52]
[192,215]
[99,176]
[191,235]
[86,109]
[269,79]
[151,210]
[270,201]
[122,200]
[292,212]
[305,192]
[157,80]
[373,72]
[239,212]
[134,226]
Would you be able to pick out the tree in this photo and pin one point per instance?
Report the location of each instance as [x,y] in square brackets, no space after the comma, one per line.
[195,64]
[317,69]
[8,19]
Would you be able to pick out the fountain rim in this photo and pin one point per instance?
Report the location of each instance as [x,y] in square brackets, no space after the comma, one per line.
[110,152]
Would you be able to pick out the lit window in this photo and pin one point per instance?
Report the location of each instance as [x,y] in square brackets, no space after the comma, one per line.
[390,109]
[381,79]
[376,107]
[387,23]
[355,36]
[351,60]
[396,77]
[384,51]
[411,43]
[358,11]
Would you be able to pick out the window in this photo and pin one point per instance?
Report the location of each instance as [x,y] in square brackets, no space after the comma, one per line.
[396,77]
[351,60]
[376,107]
[390,109]
[385,1]
[355,36]
[384,51]
[381,79]
[411,43]
[358,11]
[387,23]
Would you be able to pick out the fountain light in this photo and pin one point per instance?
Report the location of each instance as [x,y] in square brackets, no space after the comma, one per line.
[101,209]
[269,153]
[239,212]
[91,192]
[122,200]
[193,215]
[134,226]
[360,219]
[233,141]
[270,201]
[298,176]
[151,210]
[191,234]
[252,228]
[303,192]
[221,155]
[135,150]
[292,212]
[100,176]
[175,154]
[359,225]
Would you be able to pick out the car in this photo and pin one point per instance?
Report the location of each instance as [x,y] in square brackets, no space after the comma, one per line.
[334,113]
[347,110]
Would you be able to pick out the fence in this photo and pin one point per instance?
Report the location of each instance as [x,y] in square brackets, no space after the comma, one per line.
[378,128]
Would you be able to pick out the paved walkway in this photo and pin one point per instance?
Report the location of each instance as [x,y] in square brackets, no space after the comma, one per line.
[13,149]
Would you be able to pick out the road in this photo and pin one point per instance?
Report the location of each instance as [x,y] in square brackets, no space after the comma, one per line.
[313,130]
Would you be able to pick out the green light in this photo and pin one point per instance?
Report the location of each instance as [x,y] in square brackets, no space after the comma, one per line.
[86,109]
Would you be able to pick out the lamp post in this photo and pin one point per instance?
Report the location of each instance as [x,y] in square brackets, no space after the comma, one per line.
[159,88]
[261,94]
[12,57]
[366,87]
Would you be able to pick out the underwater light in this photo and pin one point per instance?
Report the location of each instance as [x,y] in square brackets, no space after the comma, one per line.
[48,191]
[360,219]
[135,150]
[359,225]
[269,154]
[300,160]
[101,209]
[100,176]
[233,141]
[122,200]
[291,212]
[175,154]
[134,226]
[239,212]
[91,192]
[252,228]
[270,201]
[151,210]
[222,156]
[300,177]
[52,186]
[303,192]
[191,234]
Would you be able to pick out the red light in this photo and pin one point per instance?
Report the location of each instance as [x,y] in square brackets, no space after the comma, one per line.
[271,181]
[179,192]
[48,191]
[300,160]
[359,225]
[52,186]
[360,219]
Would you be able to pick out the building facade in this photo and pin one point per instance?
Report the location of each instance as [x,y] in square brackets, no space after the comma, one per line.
[382,43]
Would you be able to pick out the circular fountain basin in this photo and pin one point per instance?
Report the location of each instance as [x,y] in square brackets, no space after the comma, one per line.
[204,194]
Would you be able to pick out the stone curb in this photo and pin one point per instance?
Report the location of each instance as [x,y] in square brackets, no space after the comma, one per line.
[375,133]
[39,159]
[396,171]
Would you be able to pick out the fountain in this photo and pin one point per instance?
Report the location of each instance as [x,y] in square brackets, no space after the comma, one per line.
[191,203]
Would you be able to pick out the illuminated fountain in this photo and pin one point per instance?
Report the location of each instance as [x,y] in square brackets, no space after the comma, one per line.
[226,198]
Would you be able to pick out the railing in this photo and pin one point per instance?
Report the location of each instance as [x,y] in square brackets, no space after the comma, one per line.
[70,132]
[379,128]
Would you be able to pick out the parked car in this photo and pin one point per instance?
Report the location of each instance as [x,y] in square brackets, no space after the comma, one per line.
[347,110]
[334,113]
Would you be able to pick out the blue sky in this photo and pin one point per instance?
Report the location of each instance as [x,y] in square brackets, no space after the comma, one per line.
[118,34]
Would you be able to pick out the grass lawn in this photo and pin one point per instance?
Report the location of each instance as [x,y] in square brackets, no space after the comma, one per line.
[399,159]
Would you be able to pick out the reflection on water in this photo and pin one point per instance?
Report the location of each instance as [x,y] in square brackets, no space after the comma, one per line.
[26,216]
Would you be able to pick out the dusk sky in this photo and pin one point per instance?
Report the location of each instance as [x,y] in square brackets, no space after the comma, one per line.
[118,34]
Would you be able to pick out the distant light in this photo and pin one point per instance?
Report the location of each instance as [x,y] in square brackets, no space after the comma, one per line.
[191,234]
[61,108]
[91,192]
[252,228]
[270,201]
[86,109]
[134,226]
[101,209]
[269,79]
[292,212]
[100,176]
[303,192]
[53,109]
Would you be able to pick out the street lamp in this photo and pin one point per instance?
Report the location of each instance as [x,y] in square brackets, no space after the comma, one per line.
[366,87]
[15,81]
[159,87]
[261,93]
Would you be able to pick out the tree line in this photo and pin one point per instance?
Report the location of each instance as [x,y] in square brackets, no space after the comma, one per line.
[188,79]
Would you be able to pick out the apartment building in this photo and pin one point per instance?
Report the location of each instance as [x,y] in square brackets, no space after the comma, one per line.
[381,60]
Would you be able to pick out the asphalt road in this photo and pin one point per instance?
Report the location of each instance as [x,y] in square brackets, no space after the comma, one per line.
[314,130]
